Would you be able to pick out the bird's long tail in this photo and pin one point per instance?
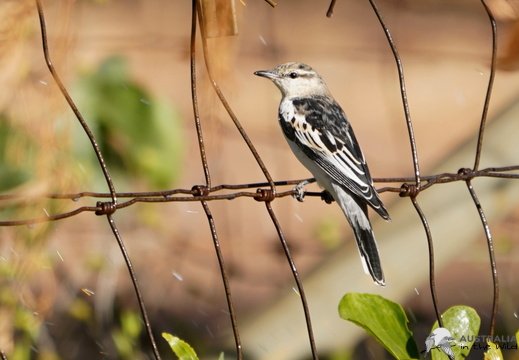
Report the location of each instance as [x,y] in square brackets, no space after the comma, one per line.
[357,215]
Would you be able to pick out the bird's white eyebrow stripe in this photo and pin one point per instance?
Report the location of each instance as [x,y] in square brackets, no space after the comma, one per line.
[304,73]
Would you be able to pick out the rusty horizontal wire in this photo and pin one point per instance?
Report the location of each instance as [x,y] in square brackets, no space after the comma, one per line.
[173,195]
[170,195]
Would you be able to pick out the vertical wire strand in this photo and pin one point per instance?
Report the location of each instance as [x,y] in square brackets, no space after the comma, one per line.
[479,147]
[271,3]
[491,254]
[136,287]
[297,279]
[226,105]
[72,105]
[106,174]
[225,280]
[214,234]
[194,96]
[432,281]
[414,153]
[489,87]
[403,92]
[329,12]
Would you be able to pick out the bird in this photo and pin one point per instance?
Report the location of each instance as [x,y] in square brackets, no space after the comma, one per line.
[321,137]
[440,338]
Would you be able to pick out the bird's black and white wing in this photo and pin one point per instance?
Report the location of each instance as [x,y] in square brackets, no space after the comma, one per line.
[447,349]
[320,129]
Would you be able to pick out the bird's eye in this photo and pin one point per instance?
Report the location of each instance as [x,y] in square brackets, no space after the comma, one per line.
[293,75]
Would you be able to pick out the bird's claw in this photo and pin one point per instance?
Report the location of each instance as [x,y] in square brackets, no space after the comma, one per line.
[299,191]
[327,197]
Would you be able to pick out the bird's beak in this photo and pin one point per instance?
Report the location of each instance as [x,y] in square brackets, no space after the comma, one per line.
[266,73]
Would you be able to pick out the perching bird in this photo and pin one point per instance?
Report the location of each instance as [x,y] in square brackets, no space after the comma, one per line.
[321,137]
[440,338]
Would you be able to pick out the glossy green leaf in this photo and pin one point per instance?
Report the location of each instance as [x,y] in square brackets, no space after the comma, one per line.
[493,353]
[383,319]
[182,350]
[463,323]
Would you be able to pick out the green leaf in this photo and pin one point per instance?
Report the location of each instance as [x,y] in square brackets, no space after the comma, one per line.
[182,349]
[140,135]
[383,319]
[17,155]
[123,344]
[131,324]
[80,310]
[494,353]
[221,357]
[463,323]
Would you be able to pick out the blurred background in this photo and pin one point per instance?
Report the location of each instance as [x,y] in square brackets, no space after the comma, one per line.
[65,291]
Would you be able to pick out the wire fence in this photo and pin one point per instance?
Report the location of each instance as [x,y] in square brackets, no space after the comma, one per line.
[269,190]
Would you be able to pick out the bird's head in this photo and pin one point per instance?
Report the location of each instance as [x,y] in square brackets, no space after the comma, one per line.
[296,79]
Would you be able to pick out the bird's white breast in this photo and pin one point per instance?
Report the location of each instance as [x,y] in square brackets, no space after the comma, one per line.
[287,111]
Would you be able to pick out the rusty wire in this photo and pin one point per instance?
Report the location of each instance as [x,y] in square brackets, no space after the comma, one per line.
[329,12]
[403,93]
[486,228]
[173,195]
[408,186]
[72,105]
[271,3]
[194,97]
[490,86]
[297,278]
[408,189]
[411,190]
[136,287]
[493,265]
[265,195]
[203,190]
[103,208]
[430,247]
[229,110]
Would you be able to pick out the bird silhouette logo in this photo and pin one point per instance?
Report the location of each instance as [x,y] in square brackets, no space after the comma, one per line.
[440,339]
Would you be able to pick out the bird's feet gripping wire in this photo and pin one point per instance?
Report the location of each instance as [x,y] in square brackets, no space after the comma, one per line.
[327,197]
[299,194]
